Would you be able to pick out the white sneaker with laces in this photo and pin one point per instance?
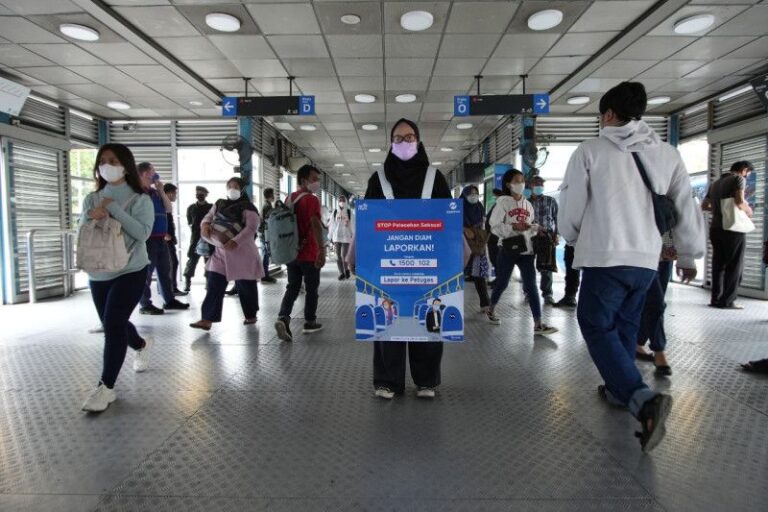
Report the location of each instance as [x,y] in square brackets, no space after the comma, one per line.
[99,399]
[425,393]
[385,393]
[544,329]
[141,359]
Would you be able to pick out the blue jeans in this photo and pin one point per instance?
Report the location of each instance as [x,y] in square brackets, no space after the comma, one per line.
[115,300]
[505,264]
[652,320]
[247,292]
[160,260]
[610,305]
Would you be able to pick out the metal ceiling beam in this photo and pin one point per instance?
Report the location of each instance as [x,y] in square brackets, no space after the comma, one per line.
[649,20]
[107,15]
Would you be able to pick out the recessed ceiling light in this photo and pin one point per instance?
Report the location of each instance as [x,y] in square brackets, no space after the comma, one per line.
[578,100]
[118,105]
[365,98]
[464,126]
[735,93]
[79,32]
[346,174]
[350,19]
[694,24]
[370,127]
[308,127]
[374,150]
[446,150]
[222,22]
[437,163]
[659,100]
[416,21]
[351,181]
[405,98]
[196,103]
[338,165]
[545,20]
[376,164]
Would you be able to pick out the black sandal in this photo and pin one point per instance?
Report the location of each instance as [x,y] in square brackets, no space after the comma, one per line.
[663,370]
[655,410]
[644,356]
[759,366]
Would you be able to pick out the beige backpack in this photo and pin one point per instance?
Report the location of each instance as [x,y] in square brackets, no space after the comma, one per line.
[100,244]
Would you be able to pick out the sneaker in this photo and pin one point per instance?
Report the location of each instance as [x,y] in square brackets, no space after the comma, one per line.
[151,310]
[99,399]
[268,279]
[310,327]
[283,328]
[423,392]
[386,393]
[493,318]
[141,359]
[179,293]
[549,300]
[657,411]
[566,302]
[96,330]
[348,274]
[232,291]
[342,277]
[543,330]
[175,304]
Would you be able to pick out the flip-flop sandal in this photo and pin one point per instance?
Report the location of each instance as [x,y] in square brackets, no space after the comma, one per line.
[656,410]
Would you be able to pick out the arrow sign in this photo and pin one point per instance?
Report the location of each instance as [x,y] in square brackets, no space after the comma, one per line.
[510,104]
[541,103]
[268,106]
[229,106]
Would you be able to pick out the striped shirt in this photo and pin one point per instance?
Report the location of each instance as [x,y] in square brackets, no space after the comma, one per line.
[545,212]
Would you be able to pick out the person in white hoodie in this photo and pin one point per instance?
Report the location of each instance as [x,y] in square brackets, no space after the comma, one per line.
[607,211]
[341,235]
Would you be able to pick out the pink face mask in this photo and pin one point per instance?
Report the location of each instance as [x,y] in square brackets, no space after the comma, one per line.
[405,150]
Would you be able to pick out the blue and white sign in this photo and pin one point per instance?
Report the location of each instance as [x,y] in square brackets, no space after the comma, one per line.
[541,103]
[306,105]
[409,266]
[229,106]
[460,106]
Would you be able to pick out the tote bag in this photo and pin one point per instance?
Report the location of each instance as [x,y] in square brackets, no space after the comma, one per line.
[734,218]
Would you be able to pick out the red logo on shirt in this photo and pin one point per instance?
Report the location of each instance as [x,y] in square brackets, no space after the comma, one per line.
[520,214]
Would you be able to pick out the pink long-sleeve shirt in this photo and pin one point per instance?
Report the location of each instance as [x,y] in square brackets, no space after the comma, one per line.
[244,262]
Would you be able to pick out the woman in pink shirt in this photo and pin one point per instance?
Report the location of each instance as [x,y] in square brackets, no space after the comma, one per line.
[230,226]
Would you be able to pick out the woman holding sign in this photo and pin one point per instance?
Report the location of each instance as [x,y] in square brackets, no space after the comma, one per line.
[512,221]
[405,172]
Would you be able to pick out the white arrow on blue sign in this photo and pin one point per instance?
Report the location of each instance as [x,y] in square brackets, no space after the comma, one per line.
[229,106]
[541,103]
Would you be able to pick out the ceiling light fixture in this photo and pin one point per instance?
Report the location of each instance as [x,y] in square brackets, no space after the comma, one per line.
[350,19]
[737,92]
[196,103]
[694,24]
[338,165]
[437,163]
[365,98]
[578,100]
[374,150]
[464,126]
[405,98]
[416,21]
[118,105]
[222,22]
[370,127]
[545,20]
[346,174]
[446,150]
[376,164]
[79,32]
[659,100]
[308,127]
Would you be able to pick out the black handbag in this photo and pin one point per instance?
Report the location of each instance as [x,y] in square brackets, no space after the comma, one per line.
[664,210]
[544,250]
[515,245]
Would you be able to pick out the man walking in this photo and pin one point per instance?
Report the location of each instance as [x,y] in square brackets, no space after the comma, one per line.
[195,213]
[545,215]
[171,191]
[269,199]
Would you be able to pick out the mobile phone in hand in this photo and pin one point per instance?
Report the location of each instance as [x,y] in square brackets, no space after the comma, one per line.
[155,177]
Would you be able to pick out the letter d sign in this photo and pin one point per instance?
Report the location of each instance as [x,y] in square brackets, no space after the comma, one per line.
[307,105]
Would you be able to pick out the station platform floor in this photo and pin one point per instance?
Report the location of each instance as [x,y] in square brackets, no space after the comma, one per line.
[236,420]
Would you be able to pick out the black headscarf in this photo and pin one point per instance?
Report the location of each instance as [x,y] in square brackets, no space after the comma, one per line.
[406,176]
[474,214]
[233,210]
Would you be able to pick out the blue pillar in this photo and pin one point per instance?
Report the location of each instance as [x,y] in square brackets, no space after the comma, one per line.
[245,129]
[674,129]
[4,119]
[103,132]
[529,123]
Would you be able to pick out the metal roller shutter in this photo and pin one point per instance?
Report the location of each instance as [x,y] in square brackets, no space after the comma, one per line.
[161,158]
[694,122]
[38,200]
[265,147]
[754,149]
[44,115]
[144,133]
[204,133]
[567,129]
[660,125]
[504,142]
[83,127]
[736,109]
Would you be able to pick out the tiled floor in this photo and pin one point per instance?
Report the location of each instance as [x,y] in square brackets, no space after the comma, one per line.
[236,420]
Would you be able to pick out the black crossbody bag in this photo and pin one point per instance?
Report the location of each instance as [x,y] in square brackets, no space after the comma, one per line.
[664,210]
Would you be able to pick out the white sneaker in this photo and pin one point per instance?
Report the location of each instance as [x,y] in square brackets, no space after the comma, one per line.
[425,393]
[96,330]
[99,399]
[543,330]
[385,393]
[141,359]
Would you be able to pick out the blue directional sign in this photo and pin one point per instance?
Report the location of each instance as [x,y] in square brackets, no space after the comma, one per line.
[460,106]
[229,106]
[306,105]
[541,103]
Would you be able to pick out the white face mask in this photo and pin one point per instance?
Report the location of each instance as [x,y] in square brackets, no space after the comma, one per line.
[314,187]
[473,199]
[111,173]
[233,194]
[342,205]
[435,307]
[517,188]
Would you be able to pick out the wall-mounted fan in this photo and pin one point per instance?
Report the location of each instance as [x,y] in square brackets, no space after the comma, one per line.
[239,144]
[533,156]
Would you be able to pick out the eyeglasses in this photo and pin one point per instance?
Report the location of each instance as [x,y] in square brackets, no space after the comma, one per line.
[411,137]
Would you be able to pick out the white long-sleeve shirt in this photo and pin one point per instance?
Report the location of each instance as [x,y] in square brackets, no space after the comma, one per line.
[510,211]
[607,212]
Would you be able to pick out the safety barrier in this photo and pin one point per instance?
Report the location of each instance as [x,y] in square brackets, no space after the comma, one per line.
[68,259]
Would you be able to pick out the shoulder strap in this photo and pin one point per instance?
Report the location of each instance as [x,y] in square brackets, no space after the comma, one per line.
[130,201]
[643,174]
[292,204]
[429,183]
[386,186]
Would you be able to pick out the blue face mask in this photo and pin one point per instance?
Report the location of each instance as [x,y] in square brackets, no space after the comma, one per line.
[527,193]
[539,191]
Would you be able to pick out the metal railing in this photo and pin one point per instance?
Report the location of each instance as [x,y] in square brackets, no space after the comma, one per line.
[68,260]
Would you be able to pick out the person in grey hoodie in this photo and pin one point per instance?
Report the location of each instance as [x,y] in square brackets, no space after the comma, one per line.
[607,212]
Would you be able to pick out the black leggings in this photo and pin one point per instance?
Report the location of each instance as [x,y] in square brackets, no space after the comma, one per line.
[115,300]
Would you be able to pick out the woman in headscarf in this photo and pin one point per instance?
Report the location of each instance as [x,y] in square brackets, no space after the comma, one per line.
[231,226]
[477,237]
[406,170]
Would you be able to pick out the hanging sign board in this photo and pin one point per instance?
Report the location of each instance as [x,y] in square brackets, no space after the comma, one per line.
[232,106]
[492,105]
[409,270]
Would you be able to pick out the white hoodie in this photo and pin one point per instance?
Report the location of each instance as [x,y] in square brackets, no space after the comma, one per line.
[607,212]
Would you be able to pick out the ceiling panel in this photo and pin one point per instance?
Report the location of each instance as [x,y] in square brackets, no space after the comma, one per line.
[622,68]
[709,48]
[117,53]
[92,92]
[285,18]
[309,67]
[12,55]
[408,83]
[330,13]
[409,67]
[610,15]
[480,17]
[265,68]
[519,66]
[448,66]
[354,46]
[55,93]
[478,46]
[525,45]
[220,68]
[195,14]
[571,10]
[359,67]
[751,22]
[147,74]
[411,46]
[27,7]
[587,43]
[596,84]
[459,84]
[243,46]
[190,48]
[173,89]
[754,50]
[672,69]
[659,47]
[721,67]
[20,30]
[64,54]
[159,21]
[54,75]
[557,65]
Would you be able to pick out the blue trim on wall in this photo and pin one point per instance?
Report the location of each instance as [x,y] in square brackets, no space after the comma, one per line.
[674,129]
[5,118]
[245,130]
[103,132]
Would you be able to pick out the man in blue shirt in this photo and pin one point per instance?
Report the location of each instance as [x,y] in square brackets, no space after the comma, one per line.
[157,247]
